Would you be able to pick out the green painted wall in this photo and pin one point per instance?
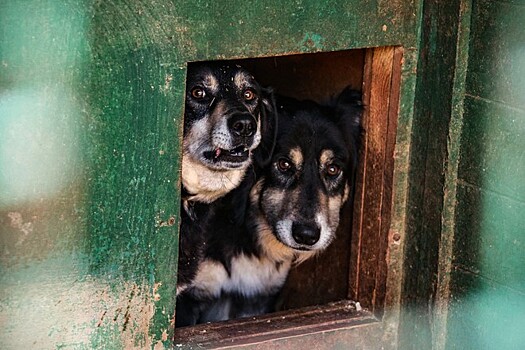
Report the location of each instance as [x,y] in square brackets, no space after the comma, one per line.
[88,175]
[91,98]
[487,309]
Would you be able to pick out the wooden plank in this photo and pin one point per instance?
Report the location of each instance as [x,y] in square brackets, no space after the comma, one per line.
[216,30]
[446,245]
[374,190]
[339,315]
[490,236]
[359,202]
[437,66]
[388,237]
[136,89]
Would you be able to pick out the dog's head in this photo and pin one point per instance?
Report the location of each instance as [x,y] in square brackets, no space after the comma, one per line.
[302,191]
[227,115]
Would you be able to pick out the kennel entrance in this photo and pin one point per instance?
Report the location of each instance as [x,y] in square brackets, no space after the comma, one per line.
[345,285]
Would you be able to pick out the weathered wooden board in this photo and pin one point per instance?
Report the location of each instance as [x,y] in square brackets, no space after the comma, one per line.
[437,69]
[373,199]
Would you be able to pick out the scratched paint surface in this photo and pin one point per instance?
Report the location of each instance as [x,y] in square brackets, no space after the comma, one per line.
[91,98]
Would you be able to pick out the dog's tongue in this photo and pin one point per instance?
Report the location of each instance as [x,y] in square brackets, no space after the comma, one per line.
[217,153]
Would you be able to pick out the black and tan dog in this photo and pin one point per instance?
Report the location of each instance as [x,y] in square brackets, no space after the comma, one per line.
[293,212]
[225,117]
[228,115]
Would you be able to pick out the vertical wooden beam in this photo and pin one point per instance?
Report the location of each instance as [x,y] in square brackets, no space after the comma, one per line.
[437,66]
[439,327]
[373,196]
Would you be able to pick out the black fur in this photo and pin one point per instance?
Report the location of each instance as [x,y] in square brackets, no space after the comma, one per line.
[246,259]
[215,100]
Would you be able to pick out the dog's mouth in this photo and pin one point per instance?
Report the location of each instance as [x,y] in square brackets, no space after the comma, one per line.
[238,154]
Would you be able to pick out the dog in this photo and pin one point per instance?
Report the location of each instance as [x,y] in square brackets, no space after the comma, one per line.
[227,117]
[292,213]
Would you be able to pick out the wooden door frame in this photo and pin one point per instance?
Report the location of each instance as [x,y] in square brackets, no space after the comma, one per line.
[373,242]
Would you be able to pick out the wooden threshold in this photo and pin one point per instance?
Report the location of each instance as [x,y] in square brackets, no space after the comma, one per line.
[285,324]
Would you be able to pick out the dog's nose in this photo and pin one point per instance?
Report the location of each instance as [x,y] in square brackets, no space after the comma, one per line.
[242,125]
[305,234]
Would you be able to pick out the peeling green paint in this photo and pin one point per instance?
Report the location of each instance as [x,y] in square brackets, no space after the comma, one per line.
[311,42]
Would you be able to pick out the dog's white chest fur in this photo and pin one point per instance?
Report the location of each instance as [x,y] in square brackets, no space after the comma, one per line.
[249,276]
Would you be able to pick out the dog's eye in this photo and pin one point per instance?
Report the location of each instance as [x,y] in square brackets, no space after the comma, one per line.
[198,93]
[248,94]
[333,170]
[284,165]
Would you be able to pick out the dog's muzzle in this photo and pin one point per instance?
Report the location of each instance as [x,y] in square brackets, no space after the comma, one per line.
[242,128]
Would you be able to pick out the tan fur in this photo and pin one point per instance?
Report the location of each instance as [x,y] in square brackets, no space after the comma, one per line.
[210,278]
[274,249]
[211,82]
[240,80]
[297,157]
[208,184]
[326,157]
[181,288]
[346,194]
[218,113]
[277,251]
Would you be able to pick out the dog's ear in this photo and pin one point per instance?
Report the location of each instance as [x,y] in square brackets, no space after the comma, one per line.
[349,111]
[269,117]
